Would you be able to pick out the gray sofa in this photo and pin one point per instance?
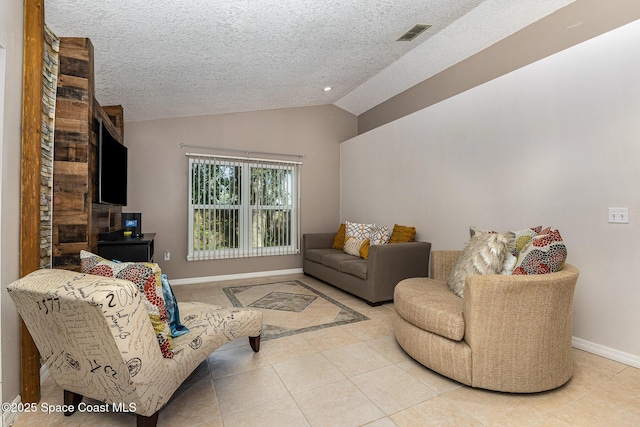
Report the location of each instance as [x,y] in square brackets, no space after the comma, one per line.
[373,279]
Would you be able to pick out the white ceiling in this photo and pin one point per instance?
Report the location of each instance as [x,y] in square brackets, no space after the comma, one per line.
[177,58]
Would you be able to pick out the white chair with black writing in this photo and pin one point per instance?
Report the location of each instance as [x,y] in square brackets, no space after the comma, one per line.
[96,337]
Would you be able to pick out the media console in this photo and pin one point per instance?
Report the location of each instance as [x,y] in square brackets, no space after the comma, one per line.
[133,249]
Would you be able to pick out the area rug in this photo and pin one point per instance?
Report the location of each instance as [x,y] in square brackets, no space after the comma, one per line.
[291,307]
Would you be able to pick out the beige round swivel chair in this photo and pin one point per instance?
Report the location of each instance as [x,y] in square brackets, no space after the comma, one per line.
[508,333]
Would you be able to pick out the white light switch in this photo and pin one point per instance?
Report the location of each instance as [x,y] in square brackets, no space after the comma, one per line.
[619,215]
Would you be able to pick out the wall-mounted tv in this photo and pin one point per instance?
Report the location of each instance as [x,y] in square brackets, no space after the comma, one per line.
[112,168]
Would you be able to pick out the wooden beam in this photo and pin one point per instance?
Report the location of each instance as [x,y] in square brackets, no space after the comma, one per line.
[30,181]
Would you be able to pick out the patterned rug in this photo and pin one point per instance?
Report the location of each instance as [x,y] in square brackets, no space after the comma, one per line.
[291,307]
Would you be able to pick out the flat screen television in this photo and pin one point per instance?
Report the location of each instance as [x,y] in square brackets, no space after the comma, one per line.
[112,168]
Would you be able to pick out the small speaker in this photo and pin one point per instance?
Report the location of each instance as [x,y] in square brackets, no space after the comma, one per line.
[132,224]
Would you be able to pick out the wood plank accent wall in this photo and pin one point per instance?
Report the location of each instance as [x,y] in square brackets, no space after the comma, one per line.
[116,114]
[77,220]
[74,142]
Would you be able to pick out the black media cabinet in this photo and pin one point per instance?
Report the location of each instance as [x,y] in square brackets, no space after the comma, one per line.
[134,249]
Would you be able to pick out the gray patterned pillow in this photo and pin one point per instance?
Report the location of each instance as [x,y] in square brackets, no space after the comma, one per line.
[483,254]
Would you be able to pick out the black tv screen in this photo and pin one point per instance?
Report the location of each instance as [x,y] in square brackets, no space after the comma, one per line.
[112,168]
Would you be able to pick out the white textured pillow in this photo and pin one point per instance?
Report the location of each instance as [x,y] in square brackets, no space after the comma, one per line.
[380,235]
[352,246]
[484,254]
[359,231]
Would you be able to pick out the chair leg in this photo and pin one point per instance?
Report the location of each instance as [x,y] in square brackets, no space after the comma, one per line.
[255,343]
[71,401]
[142,421]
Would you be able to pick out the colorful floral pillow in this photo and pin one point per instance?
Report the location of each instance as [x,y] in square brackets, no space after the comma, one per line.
[148,278]
[546,253]
[380,235]
[359,231]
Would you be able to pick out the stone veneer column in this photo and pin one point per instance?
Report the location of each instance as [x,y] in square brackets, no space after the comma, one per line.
[49,87]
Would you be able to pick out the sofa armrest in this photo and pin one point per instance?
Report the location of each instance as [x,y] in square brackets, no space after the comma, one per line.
[517,324]
[317,240]
[389,264]
[442,263]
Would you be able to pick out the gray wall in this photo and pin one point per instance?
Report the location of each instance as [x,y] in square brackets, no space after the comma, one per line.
[158,178]
[11,16]
[554,144]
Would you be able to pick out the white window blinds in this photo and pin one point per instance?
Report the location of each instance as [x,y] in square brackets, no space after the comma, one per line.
[242,207]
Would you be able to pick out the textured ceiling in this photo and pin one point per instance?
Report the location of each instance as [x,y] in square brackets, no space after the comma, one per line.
[176,58]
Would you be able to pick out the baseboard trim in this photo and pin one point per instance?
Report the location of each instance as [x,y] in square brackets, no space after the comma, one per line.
[609,353]
[193,280]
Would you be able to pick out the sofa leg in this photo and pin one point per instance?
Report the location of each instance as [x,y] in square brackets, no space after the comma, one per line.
[142,421]
[255,343]
[374,304]
[71,401]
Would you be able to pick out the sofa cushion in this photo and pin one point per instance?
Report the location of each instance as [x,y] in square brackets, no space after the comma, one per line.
[339,261]
[331,258]
[355,267]
[431,306]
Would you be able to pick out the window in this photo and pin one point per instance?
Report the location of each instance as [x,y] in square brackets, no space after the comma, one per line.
[242,208]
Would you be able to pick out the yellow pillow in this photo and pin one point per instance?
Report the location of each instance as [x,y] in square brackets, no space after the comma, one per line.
[402,234]
[338,241]
[364,249]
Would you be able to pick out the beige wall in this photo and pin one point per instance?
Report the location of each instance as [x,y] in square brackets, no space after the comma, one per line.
[11,16]
[567,27]
[554,144]
[158,175]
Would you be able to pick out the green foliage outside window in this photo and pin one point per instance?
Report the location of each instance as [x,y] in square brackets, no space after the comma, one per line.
[217,199]
[219,185]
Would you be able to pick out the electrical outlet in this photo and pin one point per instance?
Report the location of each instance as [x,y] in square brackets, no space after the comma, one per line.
[167,255]
[619,215]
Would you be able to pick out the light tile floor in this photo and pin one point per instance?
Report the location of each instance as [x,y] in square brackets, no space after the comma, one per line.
[356,375]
